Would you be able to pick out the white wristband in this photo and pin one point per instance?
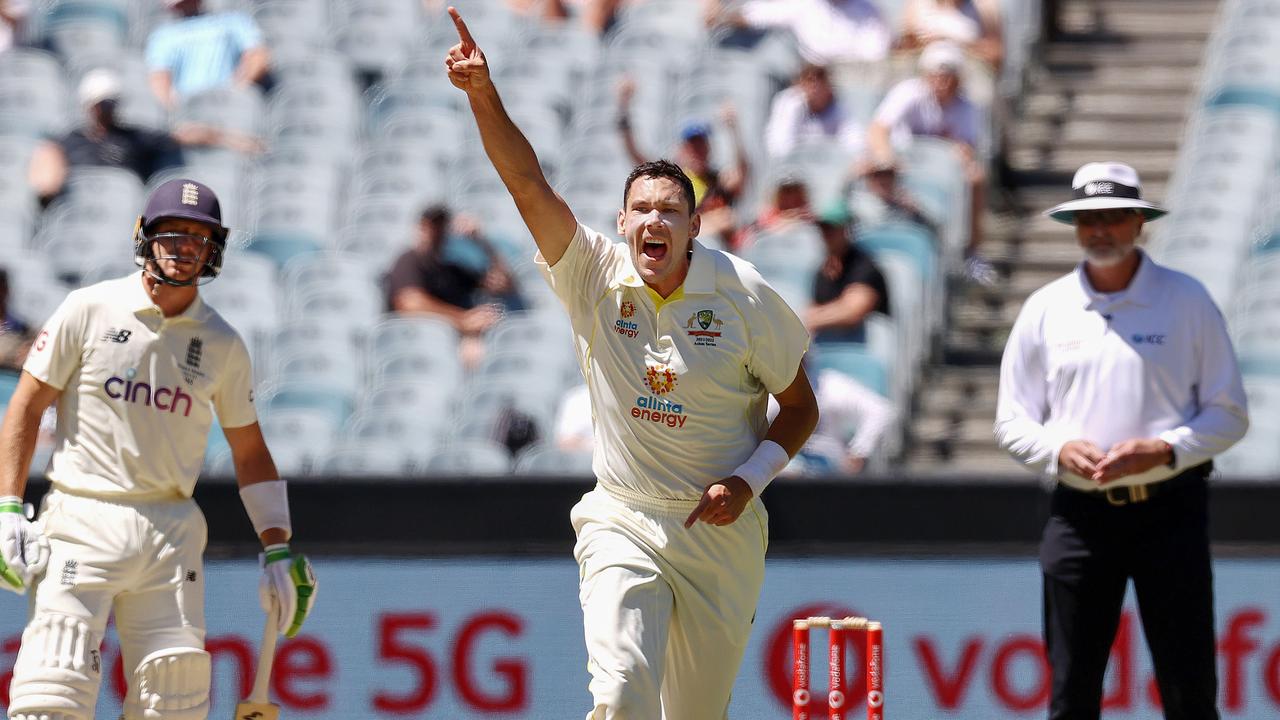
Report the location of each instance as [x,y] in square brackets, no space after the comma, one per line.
[267,504]
[764,464]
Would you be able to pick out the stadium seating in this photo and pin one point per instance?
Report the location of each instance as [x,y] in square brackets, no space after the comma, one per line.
[363,130]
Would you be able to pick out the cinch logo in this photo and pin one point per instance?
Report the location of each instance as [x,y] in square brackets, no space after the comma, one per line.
[659,411]
[163,398]
[1140,339]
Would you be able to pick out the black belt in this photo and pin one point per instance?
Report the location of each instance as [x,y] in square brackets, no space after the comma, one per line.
[1123,495]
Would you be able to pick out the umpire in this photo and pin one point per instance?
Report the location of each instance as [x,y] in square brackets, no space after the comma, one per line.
[1119,383]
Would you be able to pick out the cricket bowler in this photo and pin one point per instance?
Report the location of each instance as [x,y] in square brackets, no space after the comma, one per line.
[137,366]
[680,345]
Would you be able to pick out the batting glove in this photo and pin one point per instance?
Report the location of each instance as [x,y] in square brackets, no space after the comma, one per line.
[288,587]
[24,551]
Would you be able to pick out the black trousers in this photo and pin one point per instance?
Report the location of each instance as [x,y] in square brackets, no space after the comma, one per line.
[1089,551]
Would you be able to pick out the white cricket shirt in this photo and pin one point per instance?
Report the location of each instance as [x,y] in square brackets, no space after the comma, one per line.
[138,390]
[678,388]
[1152,361]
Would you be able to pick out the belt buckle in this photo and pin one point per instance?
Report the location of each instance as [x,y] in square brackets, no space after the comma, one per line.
[1136,494]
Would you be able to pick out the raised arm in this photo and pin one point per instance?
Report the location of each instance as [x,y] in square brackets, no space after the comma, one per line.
[545,213]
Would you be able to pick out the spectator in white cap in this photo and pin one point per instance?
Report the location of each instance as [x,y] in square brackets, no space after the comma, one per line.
[933,105]
[101,141]
[105,140]
[1119,385]
[202,51]
[973,24]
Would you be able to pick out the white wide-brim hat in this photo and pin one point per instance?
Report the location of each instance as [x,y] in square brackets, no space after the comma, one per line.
[1102,186]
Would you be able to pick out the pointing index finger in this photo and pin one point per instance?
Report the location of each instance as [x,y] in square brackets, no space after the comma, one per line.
[697,511]
[468,42]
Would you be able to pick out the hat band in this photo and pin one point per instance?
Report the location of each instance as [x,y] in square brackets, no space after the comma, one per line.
[1106,188]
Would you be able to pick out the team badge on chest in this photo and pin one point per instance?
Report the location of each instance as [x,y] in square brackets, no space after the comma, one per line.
[704,327]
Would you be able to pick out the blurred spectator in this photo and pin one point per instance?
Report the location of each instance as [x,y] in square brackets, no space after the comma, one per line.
[424,279]
[828,32]
[807,111]
[104,141]
[932,105]
[847,287]
[13,13]
[15,336]
[596,16]
[714,191]
[853,422]
[201,51]
[101,141]
[574,432]
[882,198]
[788,205]
[972,24]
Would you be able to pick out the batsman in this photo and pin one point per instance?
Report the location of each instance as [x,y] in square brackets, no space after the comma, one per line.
[680,346]
[138,366]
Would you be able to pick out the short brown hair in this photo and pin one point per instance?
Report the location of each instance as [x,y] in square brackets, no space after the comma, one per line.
[661,169]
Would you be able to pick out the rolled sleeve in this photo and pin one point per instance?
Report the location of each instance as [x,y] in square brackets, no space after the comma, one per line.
[1223,418]
[58,350]
[234,399]
[245,31]
[582,273]
[779,339]
[160,50]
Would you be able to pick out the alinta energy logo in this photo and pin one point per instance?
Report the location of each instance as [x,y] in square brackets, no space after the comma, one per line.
[660,380]
[625,326]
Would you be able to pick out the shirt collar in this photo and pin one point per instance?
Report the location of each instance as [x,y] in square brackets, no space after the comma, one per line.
[700,280]
[140,302]
[1141,290]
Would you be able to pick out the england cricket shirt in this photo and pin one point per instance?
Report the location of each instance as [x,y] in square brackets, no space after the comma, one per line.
[1152,361]
[138,390]
[678,385]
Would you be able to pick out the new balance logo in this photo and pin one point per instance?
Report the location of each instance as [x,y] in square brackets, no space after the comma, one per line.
[119,336]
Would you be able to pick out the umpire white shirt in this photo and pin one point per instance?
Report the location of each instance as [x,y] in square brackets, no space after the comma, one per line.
[138,390]
[1153,360]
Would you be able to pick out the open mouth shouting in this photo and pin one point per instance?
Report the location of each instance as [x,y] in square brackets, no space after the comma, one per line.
[654,250]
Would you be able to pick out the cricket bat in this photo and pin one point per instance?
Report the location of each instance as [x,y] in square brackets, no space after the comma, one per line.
[258,705]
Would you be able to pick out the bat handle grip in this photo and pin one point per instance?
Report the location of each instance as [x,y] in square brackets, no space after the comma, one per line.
[266,655]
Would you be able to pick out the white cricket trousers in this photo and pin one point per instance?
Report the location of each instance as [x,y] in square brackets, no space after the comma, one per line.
[667,612]
[141,558]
